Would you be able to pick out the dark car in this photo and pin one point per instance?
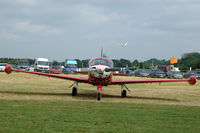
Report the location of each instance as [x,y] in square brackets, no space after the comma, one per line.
[141,73]
[191,73]
[56,69]
[175,74]
[23,65]
[127,71]
[157,73]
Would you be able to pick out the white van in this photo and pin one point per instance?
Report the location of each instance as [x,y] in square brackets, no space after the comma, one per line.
[41,65]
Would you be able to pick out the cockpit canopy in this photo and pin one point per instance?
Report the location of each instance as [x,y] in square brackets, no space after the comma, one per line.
[101,61]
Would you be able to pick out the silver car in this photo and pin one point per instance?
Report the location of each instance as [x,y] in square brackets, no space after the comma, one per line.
[2,67]
[175,74]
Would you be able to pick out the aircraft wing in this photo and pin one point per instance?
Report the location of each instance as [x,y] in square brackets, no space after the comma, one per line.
[9,69]
[191,80]
[120,74]
[85,72]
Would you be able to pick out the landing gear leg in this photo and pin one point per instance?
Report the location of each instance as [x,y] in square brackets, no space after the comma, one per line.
[75,90]
[99,89]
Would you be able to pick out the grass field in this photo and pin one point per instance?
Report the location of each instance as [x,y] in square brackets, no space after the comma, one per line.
[32,103]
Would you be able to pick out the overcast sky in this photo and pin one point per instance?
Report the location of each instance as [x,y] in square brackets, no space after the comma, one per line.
[61,29]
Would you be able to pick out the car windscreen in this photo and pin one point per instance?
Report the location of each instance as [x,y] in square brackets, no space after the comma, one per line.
[44,63]
[23,63]
[3,64]
[56,67]
[176,72]
[71,66]
[158,71]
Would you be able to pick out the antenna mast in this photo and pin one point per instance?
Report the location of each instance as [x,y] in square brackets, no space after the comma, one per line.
[101,51]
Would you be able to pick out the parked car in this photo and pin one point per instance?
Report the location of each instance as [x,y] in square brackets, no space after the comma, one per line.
[175,74]
[127,71]
[56,69]
[157,73]
[141,73]
[191,73]
[23,65]
[31,68]
[2,67]
[14,66]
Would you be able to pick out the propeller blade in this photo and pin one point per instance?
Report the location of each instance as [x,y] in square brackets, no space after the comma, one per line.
[112,69]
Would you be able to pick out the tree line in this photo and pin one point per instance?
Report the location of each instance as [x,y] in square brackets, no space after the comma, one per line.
[186,61]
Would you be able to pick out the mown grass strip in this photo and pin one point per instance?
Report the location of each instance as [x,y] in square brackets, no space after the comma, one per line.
[68,116]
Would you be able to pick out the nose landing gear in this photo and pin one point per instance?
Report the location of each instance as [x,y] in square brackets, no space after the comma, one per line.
[99,89]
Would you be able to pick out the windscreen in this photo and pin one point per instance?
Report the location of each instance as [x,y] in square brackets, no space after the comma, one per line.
[56,67]
[71,64]
[23,63]
[43,63]
[101,61]
[3,64]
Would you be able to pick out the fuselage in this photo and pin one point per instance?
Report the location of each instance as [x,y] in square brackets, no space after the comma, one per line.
[97,74]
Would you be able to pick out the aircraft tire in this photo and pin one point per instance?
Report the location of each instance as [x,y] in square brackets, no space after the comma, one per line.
[98,96]
[74,91]
[123,94]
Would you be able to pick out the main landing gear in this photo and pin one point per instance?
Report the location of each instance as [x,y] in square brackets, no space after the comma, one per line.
[123,91]
[74,89]
[123,94]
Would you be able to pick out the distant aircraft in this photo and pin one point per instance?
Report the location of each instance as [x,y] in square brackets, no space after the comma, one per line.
[100,74]
[124,44]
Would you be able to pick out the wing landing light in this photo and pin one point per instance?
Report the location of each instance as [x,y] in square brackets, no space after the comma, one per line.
[8,69]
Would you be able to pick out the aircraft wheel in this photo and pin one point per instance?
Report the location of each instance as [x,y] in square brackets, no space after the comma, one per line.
[74,91]
[98,96]
[123,94]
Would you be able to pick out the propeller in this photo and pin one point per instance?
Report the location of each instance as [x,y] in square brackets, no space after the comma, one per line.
[99,70]
[112,69]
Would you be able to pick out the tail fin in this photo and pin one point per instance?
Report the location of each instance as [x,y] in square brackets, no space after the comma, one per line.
[8,69]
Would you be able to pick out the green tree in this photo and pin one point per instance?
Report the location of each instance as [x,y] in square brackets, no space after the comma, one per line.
[141,65]
[190,60]
[135,63]
[85,63]
[116,63]
[55,63]
[125,62]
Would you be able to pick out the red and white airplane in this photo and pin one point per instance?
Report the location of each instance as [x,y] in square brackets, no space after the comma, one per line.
[100,74]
